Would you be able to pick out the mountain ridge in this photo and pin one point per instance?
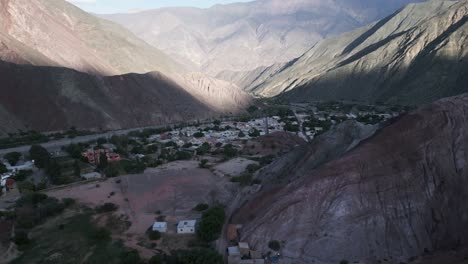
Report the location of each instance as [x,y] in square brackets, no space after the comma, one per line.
[385,61]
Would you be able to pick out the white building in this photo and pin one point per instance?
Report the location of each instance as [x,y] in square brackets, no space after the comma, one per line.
[91,175]
[28,165]
[186,227]
[160,227]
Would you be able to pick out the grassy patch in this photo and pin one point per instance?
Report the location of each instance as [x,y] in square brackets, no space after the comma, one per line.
[72,240]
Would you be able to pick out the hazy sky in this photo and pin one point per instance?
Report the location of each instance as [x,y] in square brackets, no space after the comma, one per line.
[120,6]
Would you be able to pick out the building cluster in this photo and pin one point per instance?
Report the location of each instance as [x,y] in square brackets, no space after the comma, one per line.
[229,131]
[6,181]
[183,227]
[93,155]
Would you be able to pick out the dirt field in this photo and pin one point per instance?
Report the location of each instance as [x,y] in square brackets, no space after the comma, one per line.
[173,190]
[234,167]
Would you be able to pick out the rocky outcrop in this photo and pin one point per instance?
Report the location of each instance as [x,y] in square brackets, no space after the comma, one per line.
[417,55]
[244,36]
[397,195]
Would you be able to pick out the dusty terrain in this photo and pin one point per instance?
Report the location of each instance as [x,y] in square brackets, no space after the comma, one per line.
[171,191]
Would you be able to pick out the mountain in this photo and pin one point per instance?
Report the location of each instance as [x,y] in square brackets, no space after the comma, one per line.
[91,73]
[56,33]
[398,195]
[51,98]
[244,36]
[417,55]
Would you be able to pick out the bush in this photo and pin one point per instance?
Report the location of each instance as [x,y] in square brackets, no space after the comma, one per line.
[67,202]
[101,234]
[131,257]
[211,224]
[198,134]
[201,207]
[21,238]
[154,235]
[12,157]
[40,156]
[22,175]
[203,164]
[107,207]
[274,245]
[251,168]
[344,261]
[195,256]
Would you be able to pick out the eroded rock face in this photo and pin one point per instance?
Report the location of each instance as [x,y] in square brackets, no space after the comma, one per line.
[414,56]
[396,195]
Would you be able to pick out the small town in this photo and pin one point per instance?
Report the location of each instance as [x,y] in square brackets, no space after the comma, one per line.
[156,178]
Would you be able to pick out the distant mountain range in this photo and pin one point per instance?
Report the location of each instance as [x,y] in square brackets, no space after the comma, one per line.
[90,73]
[244,36]
[417,55]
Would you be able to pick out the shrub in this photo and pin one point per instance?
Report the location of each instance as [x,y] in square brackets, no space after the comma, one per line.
[201,207]
[211,224]
[203,163]
[274,245]
[101,234]
[67,202]
[12,157]
[107,207]
[21,238]
[344,261]
[154,235]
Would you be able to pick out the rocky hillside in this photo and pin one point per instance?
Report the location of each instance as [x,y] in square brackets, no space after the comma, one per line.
[397,196]
[56,33]
[58,38]
[416,55]
[244,36]
[48,98]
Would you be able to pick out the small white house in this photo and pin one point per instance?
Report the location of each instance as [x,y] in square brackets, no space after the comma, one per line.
[186,227]
[91,175]
[160,227]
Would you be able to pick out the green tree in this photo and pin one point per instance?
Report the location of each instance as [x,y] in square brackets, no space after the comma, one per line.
[274,245]
[12,157]
[76,168]
[196,256]
[229,151]
[198,134]
[55,172]
[203,163]
[40,156]
[103,163]
[241,134]
[211,224]
[204,148]
[3,168]
[254,132]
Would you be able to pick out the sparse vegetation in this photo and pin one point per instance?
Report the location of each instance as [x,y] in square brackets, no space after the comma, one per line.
[274,245]
[211,224]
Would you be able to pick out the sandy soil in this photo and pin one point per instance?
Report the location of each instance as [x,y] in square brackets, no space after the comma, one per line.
[234,167]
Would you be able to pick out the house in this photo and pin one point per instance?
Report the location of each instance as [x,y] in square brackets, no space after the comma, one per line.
[91,175]
[233,251]
[244,248]
[186,227]
[28,165]
[160,227]
[232,232]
